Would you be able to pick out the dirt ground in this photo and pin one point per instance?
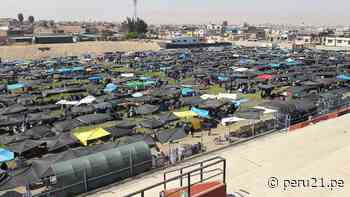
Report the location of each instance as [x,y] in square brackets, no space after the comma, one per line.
[56,50]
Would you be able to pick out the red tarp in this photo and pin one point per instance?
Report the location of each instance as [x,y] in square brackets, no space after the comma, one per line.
[265,77]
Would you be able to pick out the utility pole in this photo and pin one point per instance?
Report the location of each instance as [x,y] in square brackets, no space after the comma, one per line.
[135,9]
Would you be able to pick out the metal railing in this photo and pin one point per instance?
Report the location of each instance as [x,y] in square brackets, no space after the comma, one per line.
[188,174]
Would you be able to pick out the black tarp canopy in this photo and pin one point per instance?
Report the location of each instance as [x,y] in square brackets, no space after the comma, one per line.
[13,109]
[11,121]
[39,132]
[66,125]
[60,141]
[24,146]
[88,109]
[213,104]
[196,100]
[125,124]
[42,167]
[119,132]
[42,116]
[165,117]
[171,135]
[146,109]
[250,113]
[94,118]
[151,123]
[10,139]
[135,138]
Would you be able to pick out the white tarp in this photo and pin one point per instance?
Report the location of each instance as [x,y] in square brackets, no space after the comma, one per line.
[65,102]
[86,100]
[219,96]
[208,96]
[127,75]
[224,121]
[241,69]
[227,96]
[266,110]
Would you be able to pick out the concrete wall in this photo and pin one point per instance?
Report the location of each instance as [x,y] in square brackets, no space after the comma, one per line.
[336,41]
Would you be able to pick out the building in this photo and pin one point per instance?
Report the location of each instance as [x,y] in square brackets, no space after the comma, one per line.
[185,40]
[51,39]
[4,28]
[41,30]
[336,41]
[71,29]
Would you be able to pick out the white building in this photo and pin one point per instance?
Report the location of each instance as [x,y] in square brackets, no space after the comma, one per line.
[336,41]
[185,40]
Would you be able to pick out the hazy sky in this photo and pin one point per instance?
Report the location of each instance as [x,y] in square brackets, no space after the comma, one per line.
[318,12]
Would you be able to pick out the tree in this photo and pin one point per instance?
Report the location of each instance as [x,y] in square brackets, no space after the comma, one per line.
[31,19]
[52,23]
[20,17]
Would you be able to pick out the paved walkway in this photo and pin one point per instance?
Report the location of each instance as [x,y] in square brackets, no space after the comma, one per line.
[318,151]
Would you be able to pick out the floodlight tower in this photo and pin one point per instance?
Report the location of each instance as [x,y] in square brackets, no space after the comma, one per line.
[135,9]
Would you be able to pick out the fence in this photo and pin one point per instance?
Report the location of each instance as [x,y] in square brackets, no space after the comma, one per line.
[201,168]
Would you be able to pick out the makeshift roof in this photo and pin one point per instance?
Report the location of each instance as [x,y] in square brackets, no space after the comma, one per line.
[171,135]
[23,146]
[85,136]
[6,155]
[185,114]
[146,109]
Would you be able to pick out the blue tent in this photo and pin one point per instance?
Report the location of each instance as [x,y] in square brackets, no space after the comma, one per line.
[239,102]
[14,87]
[291,62]
[95,78]
[187,91]
[274,65]
[222,78]
[343,77]
[111,87]
[6,155]
[243,61]
[201,112]
[77,68]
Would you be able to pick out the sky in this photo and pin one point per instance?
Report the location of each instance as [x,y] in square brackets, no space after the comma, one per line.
[309,12]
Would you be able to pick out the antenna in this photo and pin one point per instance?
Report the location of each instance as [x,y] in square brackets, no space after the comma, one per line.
[135,9]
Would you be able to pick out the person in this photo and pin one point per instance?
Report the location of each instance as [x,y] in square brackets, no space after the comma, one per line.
[180,151]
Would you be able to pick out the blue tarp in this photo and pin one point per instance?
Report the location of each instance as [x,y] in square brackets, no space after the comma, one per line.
[6,155]
[291,62]
[201,112]
[187,91]
[222,78]
[95,78]
[111,87]
[243,61]
[50,71]
[343,77]
[14,87]
[239,102]
[72,69]
[274,65]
